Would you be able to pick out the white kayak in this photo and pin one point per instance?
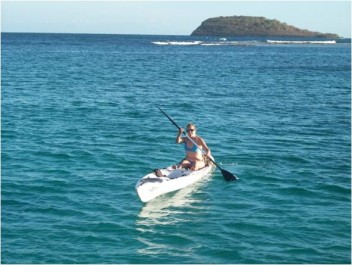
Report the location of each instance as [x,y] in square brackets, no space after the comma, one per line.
[152,186]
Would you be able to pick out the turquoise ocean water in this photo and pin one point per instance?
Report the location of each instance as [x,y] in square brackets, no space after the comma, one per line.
[80,127]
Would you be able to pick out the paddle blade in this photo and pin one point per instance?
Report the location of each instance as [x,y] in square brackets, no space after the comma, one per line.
[228,176]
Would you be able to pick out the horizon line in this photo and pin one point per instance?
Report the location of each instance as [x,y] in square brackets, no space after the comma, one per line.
[150,34]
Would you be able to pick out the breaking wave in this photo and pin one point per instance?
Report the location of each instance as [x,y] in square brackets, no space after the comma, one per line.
[224,42]
[300,42]
[205,43]
[177,42]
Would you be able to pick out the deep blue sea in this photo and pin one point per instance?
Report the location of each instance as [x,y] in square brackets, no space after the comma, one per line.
[79,127]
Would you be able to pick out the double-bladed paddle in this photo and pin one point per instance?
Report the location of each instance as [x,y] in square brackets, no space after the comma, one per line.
[228,176]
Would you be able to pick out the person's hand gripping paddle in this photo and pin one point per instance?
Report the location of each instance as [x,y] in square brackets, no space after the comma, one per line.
[228,176]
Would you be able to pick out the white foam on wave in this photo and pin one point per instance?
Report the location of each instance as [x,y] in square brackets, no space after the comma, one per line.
[300,42]
[204,43]
[212,44]
[177,42]
[160,43]
[218,43]
[223,42]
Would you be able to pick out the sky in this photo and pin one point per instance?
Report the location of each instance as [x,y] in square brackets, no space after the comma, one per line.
[166,17]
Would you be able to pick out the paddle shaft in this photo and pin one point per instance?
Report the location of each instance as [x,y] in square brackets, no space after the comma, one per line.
[174,123]
[228,176]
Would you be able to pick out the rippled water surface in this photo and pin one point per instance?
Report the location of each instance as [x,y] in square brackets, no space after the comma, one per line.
[80,127]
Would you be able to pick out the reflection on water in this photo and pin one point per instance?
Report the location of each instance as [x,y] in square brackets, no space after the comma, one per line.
[164,214]
[168,205]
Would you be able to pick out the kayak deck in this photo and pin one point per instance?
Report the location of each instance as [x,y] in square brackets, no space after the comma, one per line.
[152,186]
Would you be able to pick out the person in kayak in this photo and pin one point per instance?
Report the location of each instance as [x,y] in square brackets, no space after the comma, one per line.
[195,159]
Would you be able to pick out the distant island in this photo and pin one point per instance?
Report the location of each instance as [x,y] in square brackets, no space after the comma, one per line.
[247,26]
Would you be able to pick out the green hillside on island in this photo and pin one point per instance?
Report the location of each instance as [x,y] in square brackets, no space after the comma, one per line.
[246,26]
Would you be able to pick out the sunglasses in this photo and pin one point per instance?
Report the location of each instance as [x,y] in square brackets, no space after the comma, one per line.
[190,130]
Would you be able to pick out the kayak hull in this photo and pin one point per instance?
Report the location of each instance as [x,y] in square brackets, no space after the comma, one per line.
[152,186]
